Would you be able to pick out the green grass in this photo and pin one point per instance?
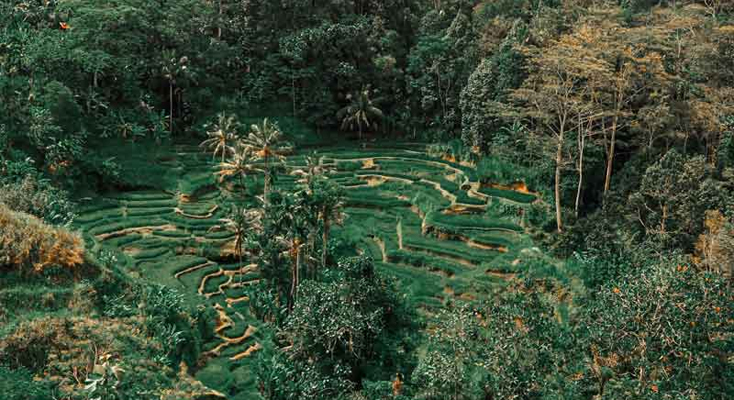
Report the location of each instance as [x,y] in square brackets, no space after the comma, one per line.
[519,197]
[450,248]
[143,196]
[147,212]
[457,223]
[425,261]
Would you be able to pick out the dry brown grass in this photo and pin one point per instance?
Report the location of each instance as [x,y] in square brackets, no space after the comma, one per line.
[26,242]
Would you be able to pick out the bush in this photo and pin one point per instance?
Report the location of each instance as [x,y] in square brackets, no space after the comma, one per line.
[666,329]
[26,242]
[18,384]
[37,197]
[52,348]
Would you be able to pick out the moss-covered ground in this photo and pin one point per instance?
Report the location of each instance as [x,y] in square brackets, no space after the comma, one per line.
[425,221]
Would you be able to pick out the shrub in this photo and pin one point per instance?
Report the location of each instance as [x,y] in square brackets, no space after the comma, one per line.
[18,384]
[37,197]
[27,242]
[91,350]
[665,329]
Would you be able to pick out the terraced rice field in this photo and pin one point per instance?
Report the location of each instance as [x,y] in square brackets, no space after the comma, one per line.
[423,220]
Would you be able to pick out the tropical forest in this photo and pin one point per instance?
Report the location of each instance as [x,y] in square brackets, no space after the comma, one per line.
[366,199]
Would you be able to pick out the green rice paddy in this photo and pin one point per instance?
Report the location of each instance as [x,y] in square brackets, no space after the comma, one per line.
[425,221]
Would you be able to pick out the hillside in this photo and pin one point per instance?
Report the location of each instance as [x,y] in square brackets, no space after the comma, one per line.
[366,199]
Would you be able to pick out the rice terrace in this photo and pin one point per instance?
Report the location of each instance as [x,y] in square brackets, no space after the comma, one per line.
[367,200]
[424,220]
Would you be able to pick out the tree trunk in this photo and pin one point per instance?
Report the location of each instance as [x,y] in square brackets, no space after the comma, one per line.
[266,183]
[239,257]
[298,268]
[295,272]
[179,102]
[610,156]
[582,146]
[219,22]
[242,186]
[559,161]
[266,187]
[170,106]
[325,240]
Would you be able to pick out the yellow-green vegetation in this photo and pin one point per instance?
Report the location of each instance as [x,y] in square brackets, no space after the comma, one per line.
[73,325]
[30,245]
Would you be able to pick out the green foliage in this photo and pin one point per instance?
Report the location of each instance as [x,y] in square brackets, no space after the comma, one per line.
[335,328]
[678,316]
[165,318]
[457,223]
[672,198]
[282,379]
[488,87]
[597,267]
[38,197]
[60,102]
[339,321]
[497,350]
[18,384]
[628,102]
[440,62]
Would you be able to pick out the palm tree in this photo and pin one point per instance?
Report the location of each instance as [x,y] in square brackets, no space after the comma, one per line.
[328,199]
[315,167]
[241,222]
[222,136]
[360,112]
[239,166]
[172,69]
[266,143]
[303,221]
[290,220]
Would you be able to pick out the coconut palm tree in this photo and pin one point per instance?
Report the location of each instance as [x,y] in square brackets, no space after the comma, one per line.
[241,222]
[303,222]
[360,112]
[265,140]
[291,219]
[222,136]
[314,168]
[172,68]
[240,166]
[328,199]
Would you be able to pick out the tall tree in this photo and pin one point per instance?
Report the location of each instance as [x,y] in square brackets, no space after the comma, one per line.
[328,198]
[172,68]
[360,112]
[265,140]
[239,166]
[553,95]
[241,222]
[222,136]
[635,68]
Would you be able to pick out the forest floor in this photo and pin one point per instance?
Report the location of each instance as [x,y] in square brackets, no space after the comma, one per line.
[425,221]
